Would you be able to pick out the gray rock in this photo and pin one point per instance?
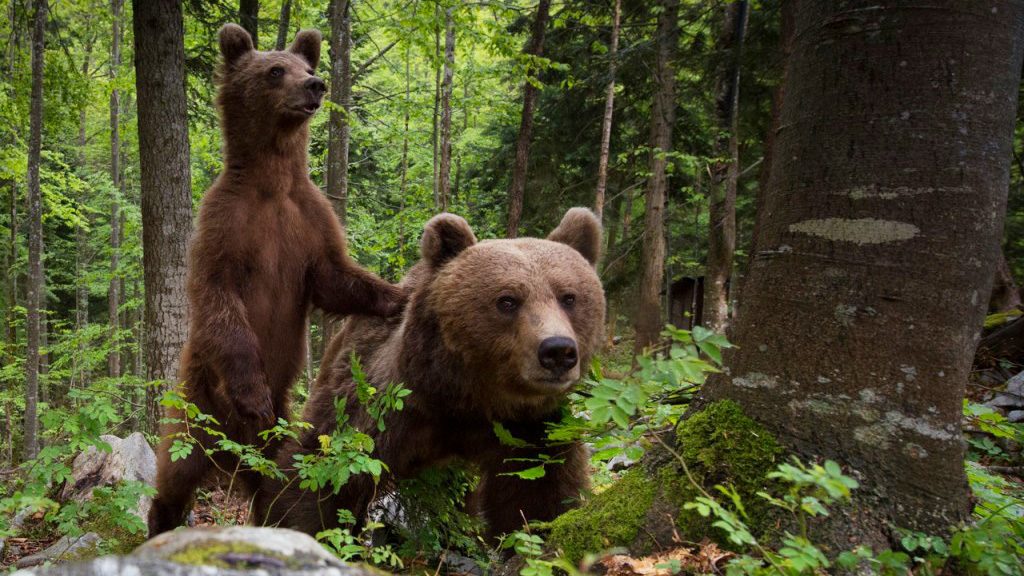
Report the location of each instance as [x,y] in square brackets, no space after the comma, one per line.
[1015,416]
[458,564]
[131,566]
[129,459]
[1013,396]
[64,549]
[217,551]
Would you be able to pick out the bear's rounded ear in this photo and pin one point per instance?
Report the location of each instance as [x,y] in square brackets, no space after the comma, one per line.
[307,45]
[444,236]
[581,230]
[235,42]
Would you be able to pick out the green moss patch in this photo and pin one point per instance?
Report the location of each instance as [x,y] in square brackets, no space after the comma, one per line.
[609,519]
[220,554]
[721,445]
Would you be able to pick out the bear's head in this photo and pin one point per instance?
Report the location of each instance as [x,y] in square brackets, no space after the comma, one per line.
[523,316]
[279,87]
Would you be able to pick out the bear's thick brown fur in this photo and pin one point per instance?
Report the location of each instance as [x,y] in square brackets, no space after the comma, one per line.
[267,246]
[496,331]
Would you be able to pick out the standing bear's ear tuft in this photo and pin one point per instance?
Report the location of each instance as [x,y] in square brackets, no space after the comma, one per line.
[581,230]
[307,45]
[444,237]
[235,42]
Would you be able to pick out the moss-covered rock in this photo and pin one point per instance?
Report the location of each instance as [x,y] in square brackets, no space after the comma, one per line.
[645,508]
[609,519]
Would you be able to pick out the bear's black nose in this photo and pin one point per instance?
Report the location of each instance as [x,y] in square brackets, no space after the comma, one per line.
[558,354]
[316,85]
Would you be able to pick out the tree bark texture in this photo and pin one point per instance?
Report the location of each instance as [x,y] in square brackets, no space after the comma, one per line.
[877,243]
[283,24]
[35,233]
[517,186]
[249,18]
[445,163]
[724,170]
[609,109]
[165,188]
[1005,292]
[341,98]
[648,321]
[113,292]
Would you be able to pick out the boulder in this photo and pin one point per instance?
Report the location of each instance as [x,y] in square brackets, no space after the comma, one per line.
[216,551]
[129,459]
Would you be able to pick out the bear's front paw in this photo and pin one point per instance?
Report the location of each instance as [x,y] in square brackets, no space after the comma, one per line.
[253,403]
[393,301]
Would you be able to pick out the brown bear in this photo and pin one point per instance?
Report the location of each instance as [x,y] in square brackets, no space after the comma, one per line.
[495,331]
[266,247]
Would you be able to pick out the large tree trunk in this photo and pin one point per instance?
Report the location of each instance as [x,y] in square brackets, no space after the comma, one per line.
[517,186]
[888,261]
[249,18]
[609,108]
[166,188]
[341,97]
[282,25]
[724,173]
[648,315]
[113,292]
[35,233]
[445,163]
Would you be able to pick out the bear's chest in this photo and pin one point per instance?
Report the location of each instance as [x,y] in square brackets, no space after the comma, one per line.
[276,260]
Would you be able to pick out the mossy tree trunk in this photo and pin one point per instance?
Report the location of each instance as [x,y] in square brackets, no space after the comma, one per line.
[876,246]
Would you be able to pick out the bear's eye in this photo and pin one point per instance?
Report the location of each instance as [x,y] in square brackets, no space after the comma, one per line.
[276,72]
[568,300]
[507,305]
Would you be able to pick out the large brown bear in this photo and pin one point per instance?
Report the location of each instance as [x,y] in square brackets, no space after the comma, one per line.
[496,331]
[267,246]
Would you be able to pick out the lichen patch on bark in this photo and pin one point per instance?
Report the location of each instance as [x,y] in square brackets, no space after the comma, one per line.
[857,230]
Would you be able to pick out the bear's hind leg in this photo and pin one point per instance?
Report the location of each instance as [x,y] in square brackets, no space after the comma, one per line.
[176,480]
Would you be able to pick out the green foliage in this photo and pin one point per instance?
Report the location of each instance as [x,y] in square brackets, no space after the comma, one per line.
[351,548]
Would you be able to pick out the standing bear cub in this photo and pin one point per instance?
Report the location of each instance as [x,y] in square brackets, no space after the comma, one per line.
[267,246]
[495,331]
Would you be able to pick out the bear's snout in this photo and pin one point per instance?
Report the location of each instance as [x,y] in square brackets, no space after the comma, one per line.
[316,86]
[558,355]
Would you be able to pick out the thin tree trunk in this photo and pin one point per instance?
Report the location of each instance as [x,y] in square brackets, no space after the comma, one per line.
[166,188]
[724,173]
[249,18]
[113,292]
[648,321]
[12,277]
[81,243]
[465,126]
[282,25]
[341,97]
[436,118]
[445,164]
[609,108]
[405,156]
[35,233]
[1005,293]
[517,185]
[889,262]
